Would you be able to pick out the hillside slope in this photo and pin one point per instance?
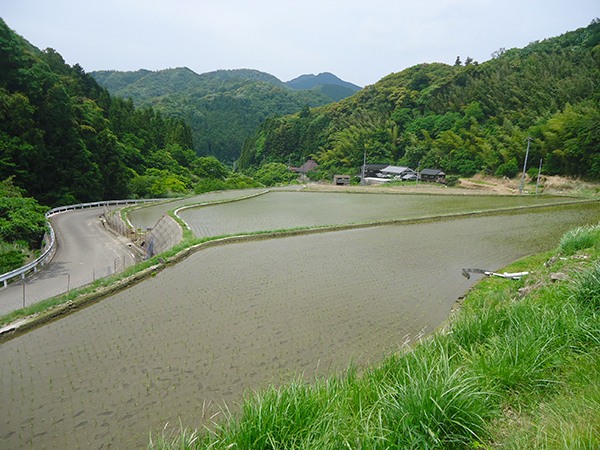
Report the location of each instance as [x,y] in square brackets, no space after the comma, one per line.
[65,140]
[223,107]
[462,119]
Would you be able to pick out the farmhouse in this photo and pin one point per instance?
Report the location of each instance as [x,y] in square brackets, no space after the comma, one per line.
[382,173]
[396,171]
[305,168]
[434,175]
[374,170]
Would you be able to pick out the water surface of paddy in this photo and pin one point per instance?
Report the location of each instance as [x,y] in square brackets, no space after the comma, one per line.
[285,210]
[235,317]
[146,216]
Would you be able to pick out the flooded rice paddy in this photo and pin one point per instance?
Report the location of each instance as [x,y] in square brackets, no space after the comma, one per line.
[285,210]
[237,317]
[146,216]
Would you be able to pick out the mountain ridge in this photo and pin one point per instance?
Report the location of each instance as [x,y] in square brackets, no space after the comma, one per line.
[122,83]
[223,107]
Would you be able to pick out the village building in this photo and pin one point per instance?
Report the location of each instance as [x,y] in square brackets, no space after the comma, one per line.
[383,173]
[397,172]
[341,180]
[373,170]
[432,175]
[305,168]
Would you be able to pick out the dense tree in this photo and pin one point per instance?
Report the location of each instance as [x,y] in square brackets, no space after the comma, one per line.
[65,140]
[209,167]
[21,218]
[272,173]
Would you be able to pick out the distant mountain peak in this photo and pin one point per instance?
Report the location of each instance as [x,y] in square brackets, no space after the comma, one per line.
[309,81]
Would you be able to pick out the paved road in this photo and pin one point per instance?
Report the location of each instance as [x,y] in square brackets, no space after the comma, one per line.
[85,250]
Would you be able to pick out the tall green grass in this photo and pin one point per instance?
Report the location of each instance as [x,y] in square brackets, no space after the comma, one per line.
[586,288]
[418,399]
[431,401]
[579,238]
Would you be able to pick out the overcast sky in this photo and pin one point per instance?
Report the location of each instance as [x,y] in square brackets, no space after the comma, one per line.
[359,41]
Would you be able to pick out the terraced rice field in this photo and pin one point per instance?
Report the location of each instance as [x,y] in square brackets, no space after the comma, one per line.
[146,217]
[285,210]
[237,317]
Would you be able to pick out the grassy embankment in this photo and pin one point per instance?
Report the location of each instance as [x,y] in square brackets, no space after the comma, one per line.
[518,367]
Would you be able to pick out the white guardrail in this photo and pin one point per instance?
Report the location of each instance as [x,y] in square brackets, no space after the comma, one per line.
[49,252]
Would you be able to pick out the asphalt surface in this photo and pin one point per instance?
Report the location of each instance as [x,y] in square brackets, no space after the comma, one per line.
[85,251]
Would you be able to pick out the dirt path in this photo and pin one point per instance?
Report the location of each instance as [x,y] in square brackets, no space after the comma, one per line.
[481,184]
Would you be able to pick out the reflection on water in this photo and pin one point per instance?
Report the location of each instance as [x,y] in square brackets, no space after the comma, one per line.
[148,215]
[285,210]
[237,317]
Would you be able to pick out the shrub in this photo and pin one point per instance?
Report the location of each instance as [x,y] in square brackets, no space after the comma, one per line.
[11,260]
[452,180]
[533,172]
[22,219]
[272,173]
[508,169]
[235,182]
[209,185]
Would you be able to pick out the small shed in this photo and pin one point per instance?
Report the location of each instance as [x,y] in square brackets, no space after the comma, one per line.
[341,180]
[433,175]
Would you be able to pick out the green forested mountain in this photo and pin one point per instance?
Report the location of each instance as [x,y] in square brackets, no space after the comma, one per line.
[64,139]
[462,118]
[309,81]
[223,107]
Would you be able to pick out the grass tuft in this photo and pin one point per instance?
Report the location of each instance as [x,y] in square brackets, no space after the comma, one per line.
[176,439]
[579,238]
[586,287]
[433,402]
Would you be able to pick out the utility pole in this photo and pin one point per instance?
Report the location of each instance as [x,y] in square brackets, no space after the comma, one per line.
[362,178]
[418,167]
[538,180]
[528,139]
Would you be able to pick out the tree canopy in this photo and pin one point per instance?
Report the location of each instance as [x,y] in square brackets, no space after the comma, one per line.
[65,140]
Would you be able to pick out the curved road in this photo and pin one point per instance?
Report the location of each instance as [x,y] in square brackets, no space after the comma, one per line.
[85,251]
